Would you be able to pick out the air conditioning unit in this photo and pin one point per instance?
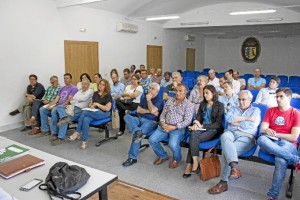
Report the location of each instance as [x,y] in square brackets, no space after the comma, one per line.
[189,38]
[126,27]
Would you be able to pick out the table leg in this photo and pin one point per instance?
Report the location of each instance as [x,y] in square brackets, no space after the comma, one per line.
[103,194]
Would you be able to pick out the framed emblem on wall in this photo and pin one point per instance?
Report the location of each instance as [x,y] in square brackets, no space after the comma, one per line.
[250,49]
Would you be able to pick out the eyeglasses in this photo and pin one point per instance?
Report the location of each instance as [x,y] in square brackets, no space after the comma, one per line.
[244,99]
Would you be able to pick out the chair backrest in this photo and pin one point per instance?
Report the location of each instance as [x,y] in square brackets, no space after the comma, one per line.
[263,109]
[283,80]
[254,93]
[295,103]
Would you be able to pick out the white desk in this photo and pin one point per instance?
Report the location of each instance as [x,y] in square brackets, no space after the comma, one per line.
[98,181]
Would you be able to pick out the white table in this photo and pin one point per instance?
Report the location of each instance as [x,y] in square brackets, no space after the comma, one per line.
[97,182]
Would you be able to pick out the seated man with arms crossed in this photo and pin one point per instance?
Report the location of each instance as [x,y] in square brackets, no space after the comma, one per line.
[175,117]
[148,115]
[238,138]
[49,96]
[64,96]
[282,122]
[34,91]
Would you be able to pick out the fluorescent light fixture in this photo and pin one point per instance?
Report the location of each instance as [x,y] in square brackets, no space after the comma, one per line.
[265,20]
[251,12]
[193,23]
[162,18]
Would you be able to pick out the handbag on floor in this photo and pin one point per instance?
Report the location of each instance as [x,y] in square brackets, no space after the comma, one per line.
[64,180]
[70,110]
[210,166]
[115,119]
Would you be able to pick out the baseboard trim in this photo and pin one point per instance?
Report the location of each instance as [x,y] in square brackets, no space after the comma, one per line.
[8,127]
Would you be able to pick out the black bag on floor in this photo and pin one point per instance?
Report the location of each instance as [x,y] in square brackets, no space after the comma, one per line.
[64,180]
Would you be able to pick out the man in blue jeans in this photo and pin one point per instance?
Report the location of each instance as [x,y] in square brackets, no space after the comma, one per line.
[175,117]
[283,123]
[238,138]
[148,115]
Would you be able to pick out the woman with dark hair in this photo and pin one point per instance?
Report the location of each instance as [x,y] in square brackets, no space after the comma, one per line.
[84,76]
[206,126]
[102,102]
[97,79]
[129,101]
[114,71]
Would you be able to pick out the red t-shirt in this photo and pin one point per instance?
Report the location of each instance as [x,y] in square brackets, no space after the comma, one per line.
[282,122]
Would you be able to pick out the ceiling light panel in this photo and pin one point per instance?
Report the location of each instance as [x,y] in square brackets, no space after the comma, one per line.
[251,12]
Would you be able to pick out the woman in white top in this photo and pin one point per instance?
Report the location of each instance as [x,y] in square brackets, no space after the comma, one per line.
[267,96]
[130,100]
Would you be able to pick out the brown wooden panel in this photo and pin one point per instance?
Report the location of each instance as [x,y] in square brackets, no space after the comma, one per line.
[154,57]
[190,59]
[81,57]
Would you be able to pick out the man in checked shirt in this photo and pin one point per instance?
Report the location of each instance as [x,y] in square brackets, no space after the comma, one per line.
[175,117]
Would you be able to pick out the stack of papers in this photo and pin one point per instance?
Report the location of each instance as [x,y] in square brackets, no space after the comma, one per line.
[11,152]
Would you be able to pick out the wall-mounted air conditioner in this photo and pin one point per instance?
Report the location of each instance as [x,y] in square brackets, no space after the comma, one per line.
[189,38]
[126,27]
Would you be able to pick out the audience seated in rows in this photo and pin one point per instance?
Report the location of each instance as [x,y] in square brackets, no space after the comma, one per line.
[35,90]
[166,80]
[256,82]
[64,97]
[209,117]
[80,100]
[145,123]
[282,122]
[176,80]
[235,84]
[175,117]
[238,138]
[102,101]
[267,96]
[129,101]
[236,76]
[196,95]
[48,98]
[230,99]
[213,80]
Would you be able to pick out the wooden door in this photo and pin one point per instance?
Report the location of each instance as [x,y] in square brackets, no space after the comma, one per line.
[81,57]
[154,57]
[190,59]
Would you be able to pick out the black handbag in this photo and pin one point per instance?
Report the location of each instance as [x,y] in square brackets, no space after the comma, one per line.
[127,101]
[64,180]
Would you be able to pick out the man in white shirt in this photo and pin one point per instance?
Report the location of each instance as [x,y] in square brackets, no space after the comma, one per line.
[213,80]
[236,76]
[236,84]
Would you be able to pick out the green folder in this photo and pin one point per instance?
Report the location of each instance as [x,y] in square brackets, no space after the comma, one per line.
[11,152]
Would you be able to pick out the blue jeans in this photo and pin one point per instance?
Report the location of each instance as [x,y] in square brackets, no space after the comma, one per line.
[45,113]
[144,125]
[285,153]
[234,143]
[61,112]
[85,119]
[175,138]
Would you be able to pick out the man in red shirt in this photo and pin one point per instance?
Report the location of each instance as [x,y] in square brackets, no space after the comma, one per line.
[282,123]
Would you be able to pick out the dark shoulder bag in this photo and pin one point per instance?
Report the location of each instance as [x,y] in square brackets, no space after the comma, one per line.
[64,180]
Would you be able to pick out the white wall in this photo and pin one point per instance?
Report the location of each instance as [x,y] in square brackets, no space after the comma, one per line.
[278,55]
[32,41]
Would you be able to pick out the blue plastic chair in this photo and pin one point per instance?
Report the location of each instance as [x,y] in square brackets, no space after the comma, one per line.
[254,93]
[295,103]
[283,80]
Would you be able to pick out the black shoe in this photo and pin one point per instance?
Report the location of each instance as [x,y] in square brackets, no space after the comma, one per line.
[186,175]
[197,171]
[129,162]
[26,128]
[138,136]
[13,113]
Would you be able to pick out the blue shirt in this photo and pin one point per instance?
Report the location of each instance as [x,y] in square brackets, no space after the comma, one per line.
[256,82]
[165,83]
[207,115]
[146,86]
[157,101]
[247,125]
[229,103]
[117,89]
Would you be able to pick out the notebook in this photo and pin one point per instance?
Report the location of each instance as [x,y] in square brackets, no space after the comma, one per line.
[19,165]
[11,152]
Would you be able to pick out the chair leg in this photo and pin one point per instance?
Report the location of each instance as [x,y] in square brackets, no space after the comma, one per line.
[107,138]
[289,188]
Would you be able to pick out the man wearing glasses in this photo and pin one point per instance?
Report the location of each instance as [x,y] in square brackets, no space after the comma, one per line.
[283,123]
[238,138]
[34,91]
